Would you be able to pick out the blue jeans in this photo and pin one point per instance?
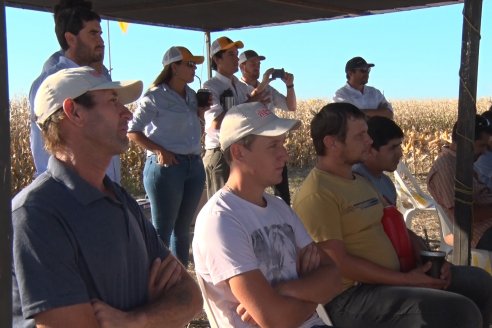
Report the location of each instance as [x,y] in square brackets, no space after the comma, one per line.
[174,193]
[467,303]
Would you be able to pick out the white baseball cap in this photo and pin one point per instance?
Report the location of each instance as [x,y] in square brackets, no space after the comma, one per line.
[252,118]
[71,83]
[224,43]
[175,54]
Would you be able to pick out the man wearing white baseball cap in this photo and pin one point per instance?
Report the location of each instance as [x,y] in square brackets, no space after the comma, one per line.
[226,90]
[250,248]
[84,254]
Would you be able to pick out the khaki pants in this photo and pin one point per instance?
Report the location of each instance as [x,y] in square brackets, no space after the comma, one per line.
[216,170]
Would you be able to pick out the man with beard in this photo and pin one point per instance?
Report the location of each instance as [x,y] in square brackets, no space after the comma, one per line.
[249,63]
[78,31]
[368,99]
[342,212]
[84,254]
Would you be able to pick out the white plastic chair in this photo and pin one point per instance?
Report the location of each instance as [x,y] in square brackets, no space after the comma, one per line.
[323,315]
[213,321]
[409,189]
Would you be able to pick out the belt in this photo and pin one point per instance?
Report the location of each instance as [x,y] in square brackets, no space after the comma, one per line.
[188,156]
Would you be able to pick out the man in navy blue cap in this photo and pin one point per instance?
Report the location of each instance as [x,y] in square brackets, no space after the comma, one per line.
[368,99]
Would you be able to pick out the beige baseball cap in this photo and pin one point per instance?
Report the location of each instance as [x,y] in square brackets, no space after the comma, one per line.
[252,118]
[73,82]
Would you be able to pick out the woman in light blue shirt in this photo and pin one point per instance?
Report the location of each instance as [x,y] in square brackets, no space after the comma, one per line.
[167,124]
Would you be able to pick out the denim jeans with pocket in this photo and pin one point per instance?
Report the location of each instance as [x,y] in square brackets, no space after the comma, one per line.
[174,193]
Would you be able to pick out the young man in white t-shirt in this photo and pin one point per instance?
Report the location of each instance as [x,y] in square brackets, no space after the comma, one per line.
[258,264]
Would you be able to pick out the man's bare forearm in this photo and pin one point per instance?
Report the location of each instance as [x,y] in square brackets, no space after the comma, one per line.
[175,307]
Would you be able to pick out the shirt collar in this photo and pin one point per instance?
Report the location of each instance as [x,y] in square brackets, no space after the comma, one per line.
[83,192]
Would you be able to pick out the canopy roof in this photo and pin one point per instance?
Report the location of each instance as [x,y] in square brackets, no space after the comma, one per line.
[217,15]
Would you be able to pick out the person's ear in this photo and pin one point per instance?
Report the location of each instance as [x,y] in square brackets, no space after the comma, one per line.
[70,38]
[236,152]
[329,142]
[72,111]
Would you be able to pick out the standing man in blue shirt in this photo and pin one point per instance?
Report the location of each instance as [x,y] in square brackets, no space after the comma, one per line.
[78,31]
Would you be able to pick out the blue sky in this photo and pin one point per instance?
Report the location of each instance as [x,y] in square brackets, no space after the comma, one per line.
[417,53]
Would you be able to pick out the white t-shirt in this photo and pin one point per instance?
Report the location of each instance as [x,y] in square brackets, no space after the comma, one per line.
[371,98]
[234,236]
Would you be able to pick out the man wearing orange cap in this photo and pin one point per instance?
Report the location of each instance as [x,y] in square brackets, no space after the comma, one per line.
[226,91]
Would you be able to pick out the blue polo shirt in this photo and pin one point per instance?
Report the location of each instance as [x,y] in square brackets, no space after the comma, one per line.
[72,243]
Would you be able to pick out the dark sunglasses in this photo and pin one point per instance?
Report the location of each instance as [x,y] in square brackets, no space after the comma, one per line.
[190,64]
[364,70]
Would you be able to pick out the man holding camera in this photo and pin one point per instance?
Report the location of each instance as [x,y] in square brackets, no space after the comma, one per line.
[249,63]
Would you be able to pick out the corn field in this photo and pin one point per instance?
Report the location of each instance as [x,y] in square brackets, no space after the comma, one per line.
[427,126]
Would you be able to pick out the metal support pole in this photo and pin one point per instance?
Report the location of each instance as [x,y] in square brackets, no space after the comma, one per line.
[463,211]
[5,209]
[209,59]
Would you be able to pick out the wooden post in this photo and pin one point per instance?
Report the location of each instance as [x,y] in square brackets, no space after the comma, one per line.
[5,209]
[463,211]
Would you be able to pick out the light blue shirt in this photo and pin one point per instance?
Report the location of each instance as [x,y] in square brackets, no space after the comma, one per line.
[483,166]
[382,183]
[53,64]
[169,120]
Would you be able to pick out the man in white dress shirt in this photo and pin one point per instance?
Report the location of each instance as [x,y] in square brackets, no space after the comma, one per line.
[368,99]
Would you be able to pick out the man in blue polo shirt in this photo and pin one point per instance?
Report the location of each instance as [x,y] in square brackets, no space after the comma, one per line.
[84,254]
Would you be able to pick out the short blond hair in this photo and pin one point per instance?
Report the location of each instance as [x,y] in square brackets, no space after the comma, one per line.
[53,139]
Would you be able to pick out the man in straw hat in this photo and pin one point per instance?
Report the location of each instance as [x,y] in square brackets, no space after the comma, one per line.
[257,262]
[84,254]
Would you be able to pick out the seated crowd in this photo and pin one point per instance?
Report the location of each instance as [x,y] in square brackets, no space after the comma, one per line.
[84,254]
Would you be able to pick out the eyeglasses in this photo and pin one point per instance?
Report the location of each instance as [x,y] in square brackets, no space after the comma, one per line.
[190,64]
[364,70]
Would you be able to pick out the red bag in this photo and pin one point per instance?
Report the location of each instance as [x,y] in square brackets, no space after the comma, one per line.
[395,228]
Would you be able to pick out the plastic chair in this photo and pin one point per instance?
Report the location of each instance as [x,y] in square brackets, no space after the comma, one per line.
[409,189]
[213,321]
[323,315]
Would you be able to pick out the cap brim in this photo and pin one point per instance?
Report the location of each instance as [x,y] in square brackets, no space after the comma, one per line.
[246,59]
[128,91]
[237,44]
[277,127]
